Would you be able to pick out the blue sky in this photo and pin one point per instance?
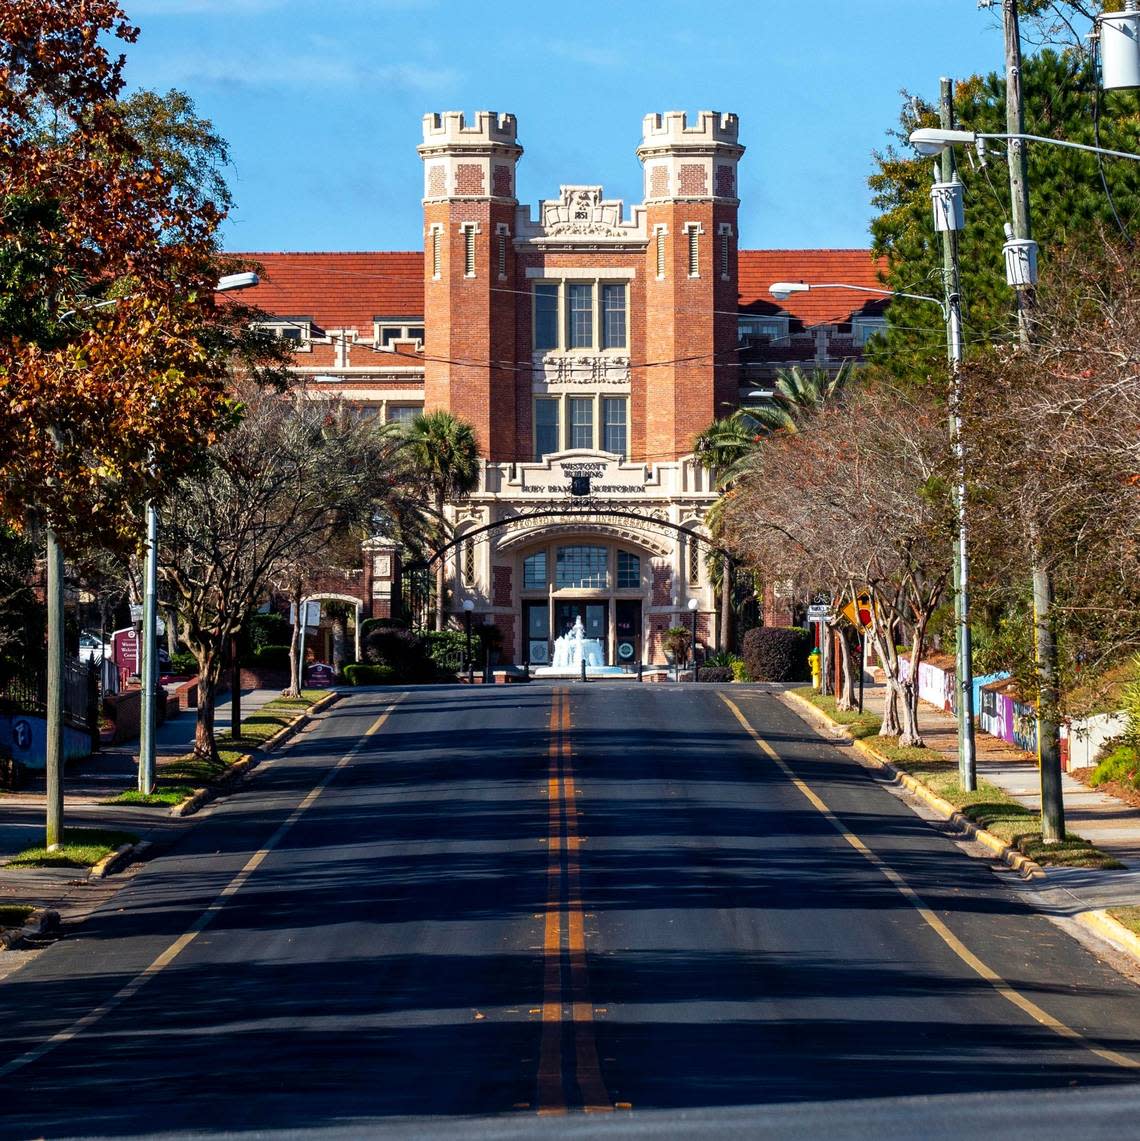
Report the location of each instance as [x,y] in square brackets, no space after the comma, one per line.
[322,102]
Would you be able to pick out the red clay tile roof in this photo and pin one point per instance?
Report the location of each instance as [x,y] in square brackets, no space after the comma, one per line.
[759,268]
[339,290]
[351,289]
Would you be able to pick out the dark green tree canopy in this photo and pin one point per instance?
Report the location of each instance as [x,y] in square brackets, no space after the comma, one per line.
[1068,200]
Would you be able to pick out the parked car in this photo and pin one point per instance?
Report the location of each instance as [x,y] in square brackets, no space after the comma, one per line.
[92,648]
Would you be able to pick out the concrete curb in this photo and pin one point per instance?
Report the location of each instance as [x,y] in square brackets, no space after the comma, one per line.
[1010,856]
[111,862]
[243,764]
[1111,930]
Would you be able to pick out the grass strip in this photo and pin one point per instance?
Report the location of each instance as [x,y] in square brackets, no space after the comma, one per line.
[987,806]
[179,779]
[1129,916]
[81,848]
[864,724]
[14,914]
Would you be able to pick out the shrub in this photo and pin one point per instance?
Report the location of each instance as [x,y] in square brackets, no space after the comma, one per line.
[183,664]
[675,642]
[402,651]
[446,649]
[776,653]
[360,673]
[739,669]
[714,673]
[270,629]
[1121,765]
[370,624]
[270,657]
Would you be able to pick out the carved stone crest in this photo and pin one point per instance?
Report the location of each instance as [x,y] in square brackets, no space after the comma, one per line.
[581,210]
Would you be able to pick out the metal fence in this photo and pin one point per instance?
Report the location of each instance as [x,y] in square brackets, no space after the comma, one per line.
[28,692]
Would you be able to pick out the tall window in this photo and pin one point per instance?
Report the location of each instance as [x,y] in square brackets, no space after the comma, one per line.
[469,251]
[694,562]
[469,562]
[545,427]
[580,418]
[660,253]
[725,233]
[534,571]
[579,315]
[694,252]
[502,253]
[628,571]
[613,317]
[614,438]
[436,261]
[545,316]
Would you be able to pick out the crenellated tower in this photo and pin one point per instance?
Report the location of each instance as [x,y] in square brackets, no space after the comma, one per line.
[691,282]
[469,268]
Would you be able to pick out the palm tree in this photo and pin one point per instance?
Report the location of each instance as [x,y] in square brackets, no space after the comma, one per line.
[442,456]
[725,446]
[800,395]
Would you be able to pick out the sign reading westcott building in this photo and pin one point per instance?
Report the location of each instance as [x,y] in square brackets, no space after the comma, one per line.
[555,477]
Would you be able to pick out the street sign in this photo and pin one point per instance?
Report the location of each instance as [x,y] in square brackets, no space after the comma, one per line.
[818,611]
[136,612]
[859,613]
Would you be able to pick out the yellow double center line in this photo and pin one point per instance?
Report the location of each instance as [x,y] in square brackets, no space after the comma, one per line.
[162,961]
[565,989]
[1000,986]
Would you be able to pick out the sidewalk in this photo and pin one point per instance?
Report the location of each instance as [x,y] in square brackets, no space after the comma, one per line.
[89,782]
[1110,824]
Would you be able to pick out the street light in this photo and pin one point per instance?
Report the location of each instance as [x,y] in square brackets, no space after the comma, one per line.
[693,604]
[934,140]
[948,217]
[468,606]
[226,284]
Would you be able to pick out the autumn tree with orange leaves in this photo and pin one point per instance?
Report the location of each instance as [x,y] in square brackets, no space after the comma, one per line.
[113,349]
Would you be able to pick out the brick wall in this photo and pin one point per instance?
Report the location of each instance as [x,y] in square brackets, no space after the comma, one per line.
[501,595]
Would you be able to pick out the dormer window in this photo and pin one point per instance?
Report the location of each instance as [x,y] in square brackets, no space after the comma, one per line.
[299,333]
[391,330]
[864,328]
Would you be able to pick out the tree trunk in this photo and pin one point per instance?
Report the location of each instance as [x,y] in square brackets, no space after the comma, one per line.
[847,676]
[294,689]
[726,605]
[208,669]
[441,566]
[339,639]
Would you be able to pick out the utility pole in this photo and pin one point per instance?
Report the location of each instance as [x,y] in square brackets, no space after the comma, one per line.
[53,587]
[147,644]
[967,758]
[1045,645]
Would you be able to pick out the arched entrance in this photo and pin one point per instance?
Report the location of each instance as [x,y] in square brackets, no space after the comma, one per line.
[537,567]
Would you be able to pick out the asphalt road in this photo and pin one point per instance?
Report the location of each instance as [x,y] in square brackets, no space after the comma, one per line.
[649,910]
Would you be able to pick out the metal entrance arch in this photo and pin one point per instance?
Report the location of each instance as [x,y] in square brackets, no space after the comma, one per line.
[418,574]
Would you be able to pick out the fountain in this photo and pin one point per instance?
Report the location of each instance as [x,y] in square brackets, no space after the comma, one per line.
[573,648]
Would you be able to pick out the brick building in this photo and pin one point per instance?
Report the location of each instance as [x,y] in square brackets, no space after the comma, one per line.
[578,340]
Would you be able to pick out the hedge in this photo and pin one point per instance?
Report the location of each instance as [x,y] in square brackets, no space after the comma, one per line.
[362,674]
[714,673]
[777,653]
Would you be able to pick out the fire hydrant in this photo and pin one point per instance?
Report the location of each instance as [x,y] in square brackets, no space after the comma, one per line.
[816,669]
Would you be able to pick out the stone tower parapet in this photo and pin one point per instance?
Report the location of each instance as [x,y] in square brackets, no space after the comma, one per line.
[684,160]
[469,160]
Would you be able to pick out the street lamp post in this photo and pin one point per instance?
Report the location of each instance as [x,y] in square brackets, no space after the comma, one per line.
[693,604]
[1021,274]
[468,606]
[227,284]
[952,314]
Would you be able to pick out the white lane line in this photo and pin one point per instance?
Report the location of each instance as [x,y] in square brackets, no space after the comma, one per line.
[129,990]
